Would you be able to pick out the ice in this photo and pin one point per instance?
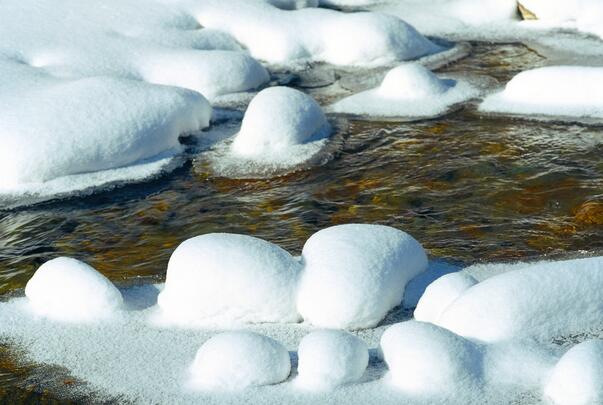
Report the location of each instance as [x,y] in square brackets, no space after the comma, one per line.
[540,301]
[563,91]
[440,294]
[69,290]
[237,360]
[408,90]
[224,278]
[578,377]
[328,358]
[354,274]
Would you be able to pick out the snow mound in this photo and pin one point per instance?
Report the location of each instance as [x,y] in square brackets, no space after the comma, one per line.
[577,379]
[329,358]
[584,15]
[228,278]
[66,289]
[425,359]
[562,91]
[236,360]
[408,90]
[440,294]
[354,274]
[541,301]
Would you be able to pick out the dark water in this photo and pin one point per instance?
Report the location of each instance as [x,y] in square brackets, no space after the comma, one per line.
[469,187]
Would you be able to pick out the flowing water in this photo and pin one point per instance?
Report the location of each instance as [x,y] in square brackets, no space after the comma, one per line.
[469,187]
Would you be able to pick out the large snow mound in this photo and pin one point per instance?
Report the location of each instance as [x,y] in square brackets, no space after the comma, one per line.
[541,301]
[66,289]
[354,274]
[236,360]
[228,278]
[440,294]
[563,91]
[578,377]
[426,359]
[409,90]
[329,358]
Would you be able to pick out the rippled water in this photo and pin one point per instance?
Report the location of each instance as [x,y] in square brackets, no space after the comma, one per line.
[469,187]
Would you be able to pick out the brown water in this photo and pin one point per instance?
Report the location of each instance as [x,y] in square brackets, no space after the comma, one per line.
[468,187]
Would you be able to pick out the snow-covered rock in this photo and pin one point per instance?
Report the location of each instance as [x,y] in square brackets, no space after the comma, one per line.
[354,274]
[408,90]
[277,119]
[585,15]
[425,359]
[228,278]
[440,294]
[67,289]
[240,359]
[578,377]
[563,91]
[329,358]
[541,301]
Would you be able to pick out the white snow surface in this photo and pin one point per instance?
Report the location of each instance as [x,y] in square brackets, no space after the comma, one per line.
[408,90]
[239,359]
[584,15]
[328,358]
[539,301]
[225,278]
[69,290]
[578,377]
[354,274]
[440,294]
[565,91]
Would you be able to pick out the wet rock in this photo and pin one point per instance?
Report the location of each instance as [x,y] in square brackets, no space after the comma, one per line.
[590,213]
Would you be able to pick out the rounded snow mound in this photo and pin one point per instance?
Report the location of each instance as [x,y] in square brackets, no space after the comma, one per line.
[226,278]
[355,274]
[236,360]
[440,294]
[412,80]
[329,358]
[426,359]
[67,289]
[277,119]
[577,379]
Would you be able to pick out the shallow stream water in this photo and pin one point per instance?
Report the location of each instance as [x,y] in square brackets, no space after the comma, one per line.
[469,187]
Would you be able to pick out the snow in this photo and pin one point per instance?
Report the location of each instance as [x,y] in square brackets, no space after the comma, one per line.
[578,377]
[584,15]
[225,278]
[526,303]
[424,359]
[564,91]
[237,360]
[440,294]
[328,358]
[69,290]
[354,274]
[408,90]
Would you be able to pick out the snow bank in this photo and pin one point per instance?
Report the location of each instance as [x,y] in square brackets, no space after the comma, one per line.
[328,358]
[543,300]
[236,360]
[69,290]
[578,377]
[408,90]
[563,91]
[425,359]
[225,278]
[354,274]
[440,294]
[585,15]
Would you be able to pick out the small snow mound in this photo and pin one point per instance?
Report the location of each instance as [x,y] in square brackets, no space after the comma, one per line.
[578,377]
[428,360]
[412,80]
[227,278]
[277,119]
[236,360]
[354,274]
[328,358]
[67,289]
[440,294]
